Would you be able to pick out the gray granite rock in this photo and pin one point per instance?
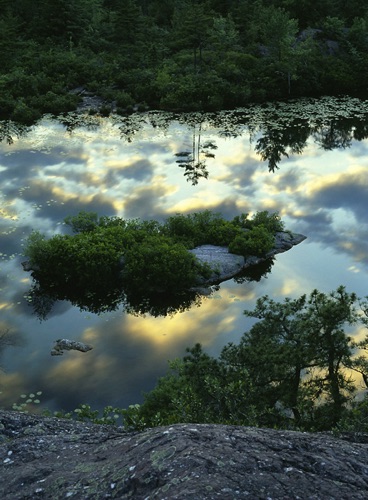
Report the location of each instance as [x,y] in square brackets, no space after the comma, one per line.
[226,265]
[52,459]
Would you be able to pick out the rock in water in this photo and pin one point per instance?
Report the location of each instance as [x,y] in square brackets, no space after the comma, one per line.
[227,265]
[62,345]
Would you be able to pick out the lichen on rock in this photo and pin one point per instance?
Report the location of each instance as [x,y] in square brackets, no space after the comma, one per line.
[50,458]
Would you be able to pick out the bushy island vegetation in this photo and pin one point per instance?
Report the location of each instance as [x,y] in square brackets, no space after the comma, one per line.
[113,258]
[177,54]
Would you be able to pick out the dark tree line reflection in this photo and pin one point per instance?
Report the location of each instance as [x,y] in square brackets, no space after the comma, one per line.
[277,130]
[10,130]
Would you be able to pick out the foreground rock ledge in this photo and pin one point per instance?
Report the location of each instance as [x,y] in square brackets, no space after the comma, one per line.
[50,458]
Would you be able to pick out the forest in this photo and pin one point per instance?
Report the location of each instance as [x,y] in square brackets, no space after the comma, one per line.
[179,55]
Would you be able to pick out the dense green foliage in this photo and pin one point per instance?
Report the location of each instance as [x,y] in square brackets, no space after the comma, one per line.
[292,369]
[177,54]
[257,241]
[110,260]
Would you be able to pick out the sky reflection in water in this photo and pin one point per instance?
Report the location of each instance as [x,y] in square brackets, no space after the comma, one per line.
[51,173]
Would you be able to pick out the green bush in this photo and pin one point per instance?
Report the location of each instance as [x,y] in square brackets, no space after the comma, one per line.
[23,113]
[83,222]
[159,264]
[201,228]
[270,221]
[75,262]
[257,241]
[199,389]
[52,102]
[123,99]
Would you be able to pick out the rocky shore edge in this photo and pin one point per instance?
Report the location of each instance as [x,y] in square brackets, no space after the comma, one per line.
[227,265]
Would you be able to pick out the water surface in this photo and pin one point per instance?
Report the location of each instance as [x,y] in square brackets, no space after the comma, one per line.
[136,167]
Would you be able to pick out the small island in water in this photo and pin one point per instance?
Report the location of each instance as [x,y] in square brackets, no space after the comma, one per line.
[108,261]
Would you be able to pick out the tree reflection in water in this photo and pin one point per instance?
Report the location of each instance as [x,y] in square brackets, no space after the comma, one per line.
[10,130]
[278,129]
[194,161]
[111,296]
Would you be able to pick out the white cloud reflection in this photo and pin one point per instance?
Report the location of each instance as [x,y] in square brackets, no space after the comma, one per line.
[50,174]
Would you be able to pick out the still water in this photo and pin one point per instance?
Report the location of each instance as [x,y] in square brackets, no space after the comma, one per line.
[311,167]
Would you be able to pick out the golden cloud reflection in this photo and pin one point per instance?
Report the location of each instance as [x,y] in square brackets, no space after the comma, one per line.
[350,175]
[130,352]
[322,194]
[11,387]
[75,366]
[290,287]
[6,305]
[201,201]
[183,328]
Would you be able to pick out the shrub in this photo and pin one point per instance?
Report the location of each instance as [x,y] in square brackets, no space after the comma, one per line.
[124,99]
[222,232]
[34,246]
[257,241]
[72,262]
[181,229]
[23,113]
[270,221]
[52,102]
[135,257]
[83,222]
[159,264]
[200,228]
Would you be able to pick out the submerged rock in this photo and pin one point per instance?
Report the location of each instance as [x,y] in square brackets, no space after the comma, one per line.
[227,265]
[62,345]
[53,459]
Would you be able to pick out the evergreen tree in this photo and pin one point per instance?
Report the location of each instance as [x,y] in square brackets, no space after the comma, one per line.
[128,22]
[289,370]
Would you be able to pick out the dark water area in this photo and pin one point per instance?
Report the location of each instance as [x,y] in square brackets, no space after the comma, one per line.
[307,160]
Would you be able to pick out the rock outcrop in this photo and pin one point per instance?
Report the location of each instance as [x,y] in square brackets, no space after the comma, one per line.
[50,458]
[227,265]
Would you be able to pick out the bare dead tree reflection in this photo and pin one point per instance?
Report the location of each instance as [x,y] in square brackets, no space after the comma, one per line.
[194,161]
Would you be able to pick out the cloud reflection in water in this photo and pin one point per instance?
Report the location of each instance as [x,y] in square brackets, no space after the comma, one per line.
[50,173]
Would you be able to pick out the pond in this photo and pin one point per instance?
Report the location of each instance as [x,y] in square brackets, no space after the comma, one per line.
[307,160]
